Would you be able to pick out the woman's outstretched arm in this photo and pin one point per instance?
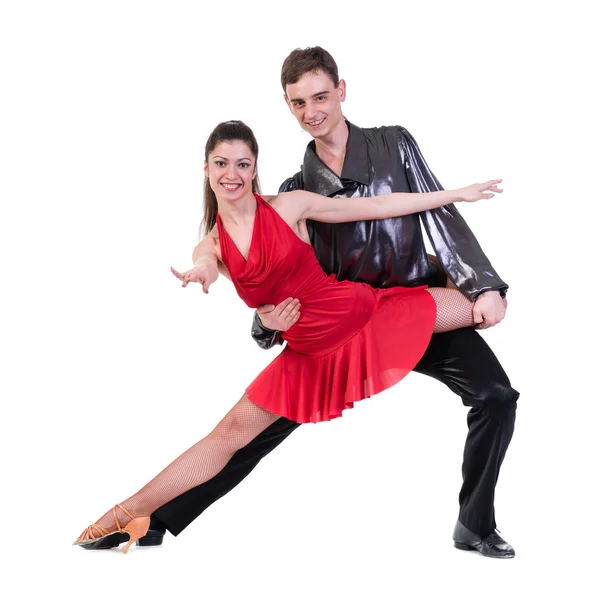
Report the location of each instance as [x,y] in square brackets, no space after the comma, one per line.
[340,210]
[206,265]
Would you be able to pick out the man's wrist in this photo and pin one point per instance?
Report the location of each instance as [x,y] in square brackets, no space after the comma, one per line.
[501,292]
[259,322]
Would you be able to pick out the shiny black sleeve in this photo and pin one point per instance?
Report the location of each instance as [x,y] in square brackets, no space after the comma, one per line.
[289,185]
[455,245]
[267,338]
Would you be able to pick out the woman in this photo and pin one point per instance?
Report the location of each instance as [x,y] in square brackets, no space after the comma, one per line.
[352,341]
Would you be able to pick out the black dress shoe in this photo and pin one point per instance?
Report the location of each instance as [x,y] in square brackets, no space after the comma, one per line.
[491,545]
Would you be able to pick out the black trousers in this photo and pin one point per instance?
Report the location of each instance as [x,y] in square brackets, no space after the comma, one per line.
[464,362]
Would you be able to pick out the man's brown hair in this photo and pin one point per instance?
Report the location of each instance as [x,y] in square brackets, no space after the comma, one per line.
[310,60]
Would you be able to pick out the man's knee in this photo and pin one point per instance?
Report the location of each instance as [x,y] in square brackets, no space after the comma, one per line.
[497,397]
[277,431]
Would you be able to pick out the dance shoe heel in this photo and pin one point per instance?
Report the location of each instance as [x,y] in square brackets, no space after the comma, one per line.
[136,528]
[462,546]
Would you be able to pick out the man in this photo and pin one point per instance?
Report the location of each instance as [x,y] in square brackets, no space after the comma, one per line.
[345,160]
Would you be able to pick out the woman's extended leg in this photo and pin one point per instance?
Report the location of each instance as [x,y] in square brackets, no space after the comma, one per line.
[454,311]
[196,465]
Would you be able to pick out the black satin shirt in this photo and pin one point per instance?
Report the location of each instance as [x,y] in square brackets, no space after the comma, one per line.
[387,252]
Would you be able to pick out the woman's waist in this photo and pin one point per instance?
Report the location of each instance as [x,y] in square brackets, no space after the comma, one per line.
[331,319]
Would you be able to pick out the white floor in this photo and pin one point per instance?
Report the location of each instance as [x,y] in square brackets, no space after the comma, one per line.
[361,507]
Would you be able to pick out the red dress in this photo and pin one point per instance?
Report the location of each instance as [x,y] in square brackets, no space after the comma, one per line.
[352,341]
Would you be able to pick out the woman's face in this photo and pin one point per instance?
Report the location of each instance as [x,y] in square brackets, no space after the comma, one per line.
[231,167]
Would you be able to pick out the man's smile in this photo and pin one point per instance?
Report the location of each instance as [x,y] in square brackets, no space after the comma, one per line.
[315,123]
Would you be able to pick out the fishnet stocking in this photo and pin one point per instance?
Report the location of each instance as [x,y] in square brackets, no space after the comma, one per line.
[454,311]
[198,464]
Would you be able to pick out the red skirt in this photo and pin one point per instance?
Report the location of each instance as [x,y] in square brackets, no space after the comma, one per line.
[309,389]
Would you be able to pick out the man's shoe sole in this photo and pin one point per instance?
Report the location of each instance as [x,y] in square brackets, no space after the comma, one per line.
[468,548]
[151,539]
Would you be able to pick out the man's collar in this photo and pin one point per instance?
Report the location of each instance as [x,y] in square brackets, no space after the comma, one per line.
[321,179]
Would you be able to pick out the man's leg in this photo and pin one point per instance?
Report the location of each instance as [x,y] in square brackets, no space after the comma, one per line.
[181,511]
[197,465]
[464,362]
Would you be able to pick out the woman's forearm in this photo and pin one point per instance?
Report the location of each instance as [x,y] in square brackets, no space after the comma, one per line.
[339,210]
[205,259]
[204,252]
[402,203]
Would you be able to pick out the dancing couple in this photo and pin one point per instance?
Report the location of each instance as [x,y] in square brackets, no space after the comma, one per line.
[336,266]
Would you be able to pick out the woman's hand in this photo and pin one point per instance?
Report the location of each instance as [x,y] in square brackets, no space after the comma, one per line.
[477,191]
[198,274]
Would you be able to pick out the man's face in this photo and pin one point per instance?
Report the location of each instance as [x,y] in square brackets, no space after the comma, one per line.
[316,103]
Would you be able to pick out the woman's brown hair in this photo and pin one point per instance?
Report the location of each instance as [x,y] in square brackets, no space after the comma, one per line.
[228,131]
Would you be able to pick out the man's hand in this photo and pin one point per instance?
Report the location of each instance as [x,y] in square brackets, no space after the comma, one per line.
[280,317]
[489,309]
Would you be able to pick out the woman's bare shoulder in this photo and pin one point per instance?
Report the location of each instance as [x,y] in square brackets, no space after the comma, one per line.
[213,234]
[287,198]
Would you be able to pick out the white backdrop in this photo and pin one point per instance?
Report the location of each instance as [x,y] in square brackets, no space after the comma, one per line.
[110,369]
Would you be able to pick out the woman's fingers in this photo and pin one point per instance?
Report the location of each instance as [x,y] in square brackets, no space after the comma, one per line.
[177,273]
[183,277]
[190,277]
[492,185]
